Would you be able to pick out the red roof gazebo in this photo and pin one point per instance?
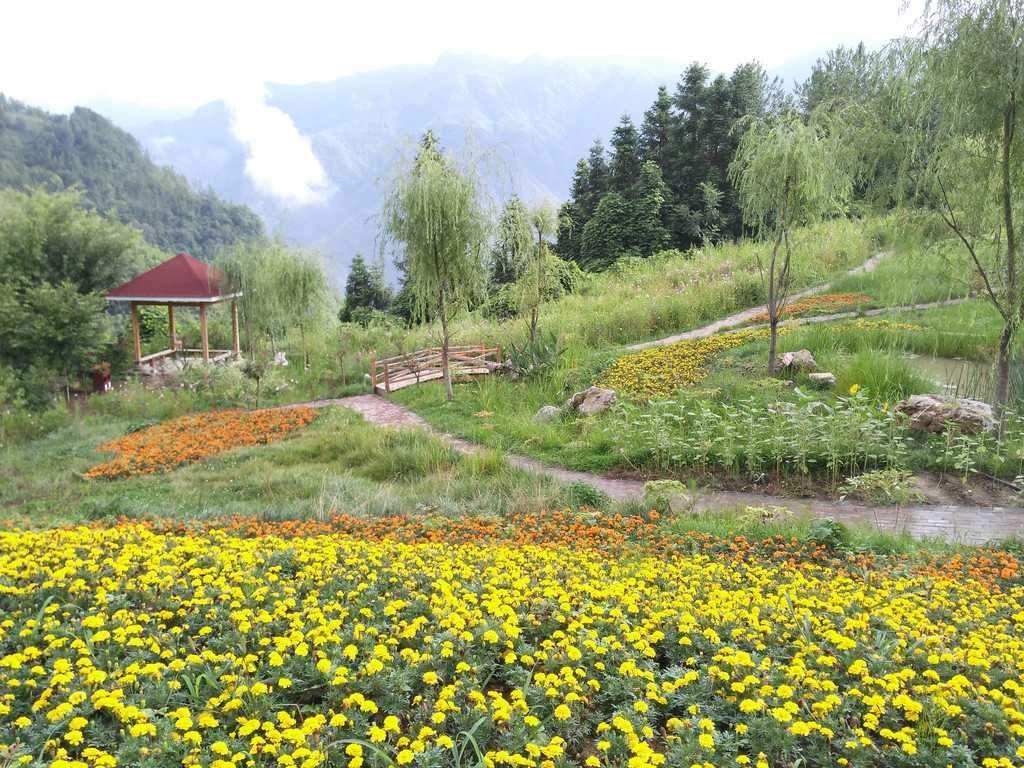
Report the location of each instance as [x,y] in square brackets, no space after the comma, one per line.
[182,281]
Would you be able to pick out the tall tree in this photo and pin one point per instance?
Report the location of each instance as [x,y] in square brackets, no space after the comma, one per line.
[647,234]
[625,162]
[436,215]
[511,243]
[962,91]
[302,286]
[841,78]
[364,288]
[655,130]
[788,173]
[252,268]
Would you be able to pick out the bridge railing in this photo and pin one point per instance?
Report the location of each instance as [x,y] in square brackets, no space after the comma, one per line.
[400,371]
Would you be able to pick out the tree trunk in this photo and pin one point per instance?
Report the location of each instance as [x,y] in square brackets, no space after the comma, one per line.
[1012,290]
[1003,367]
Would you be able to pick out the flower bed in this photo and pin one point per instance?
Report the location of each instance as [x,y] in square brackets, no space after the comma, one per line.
[190,438]
[819,304]
[659,371]
[136,647]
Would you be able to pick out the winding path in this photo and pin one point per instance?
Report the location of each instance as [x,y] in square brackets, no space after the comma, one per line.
[968,525]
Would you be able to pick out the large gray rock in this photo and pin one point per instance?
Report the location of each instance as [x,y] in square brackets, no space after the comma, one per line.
[931,413]
[591,401]
[547,413]
[801,360]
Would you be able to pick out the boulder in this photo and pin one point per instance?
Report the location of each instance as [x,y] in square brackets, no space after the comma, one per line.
[591,401]
[931,413]
[823,380]
[801,360]
[547,413]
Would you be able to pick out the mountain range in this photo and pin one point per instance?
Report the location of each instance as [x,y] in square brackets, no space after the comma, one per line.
[306,158]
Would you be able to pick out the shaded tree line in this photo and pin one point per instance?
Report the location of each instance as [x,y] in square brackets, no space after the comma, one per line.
[666,184]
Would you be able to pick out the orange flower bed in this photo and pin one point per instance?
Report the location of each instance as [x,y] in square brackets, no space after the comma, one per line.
[593,531]
[191,438]
[821,304]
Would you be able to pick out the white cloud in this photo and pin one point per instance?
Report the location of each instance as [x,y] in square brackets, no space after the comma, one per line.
[280,160]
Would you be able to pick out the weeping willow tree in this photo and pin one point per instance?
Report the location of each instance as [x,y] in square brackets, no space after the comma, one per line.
[959,89]
[790,171]
[437,216]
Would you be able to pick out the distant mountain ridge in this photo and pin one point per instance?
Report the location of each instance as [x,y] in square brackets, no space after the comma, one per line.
[546,113]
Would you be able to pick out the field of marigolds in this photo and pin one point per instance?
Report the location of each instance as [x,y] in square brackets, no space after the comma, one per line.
[566,638]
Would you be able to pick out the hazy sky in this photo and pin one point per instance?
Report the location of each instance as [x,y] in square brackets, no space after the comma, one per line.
[183,54]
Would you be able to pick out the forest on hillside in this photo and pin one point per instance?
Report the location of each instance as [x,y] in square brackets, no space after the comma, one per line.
[117,178]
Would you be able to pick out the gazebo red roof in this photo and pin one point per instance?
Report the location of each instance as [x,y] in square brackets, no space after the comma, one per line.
[179,279]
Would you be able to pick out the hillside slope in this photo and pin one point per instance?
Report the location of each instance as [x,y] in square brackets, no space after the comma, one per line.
[85,150]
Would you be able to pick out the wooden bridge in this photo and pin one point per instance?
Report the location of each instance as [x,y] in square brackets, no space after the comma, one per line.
[425,365]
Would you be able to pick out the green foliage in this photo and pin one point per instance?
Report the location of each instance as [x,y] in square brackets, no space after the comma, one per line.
[58,260]
[956,125]
[788,173]
[667,186]
[511,244]
[435,214]
[533,358]
[365,289]
[582,494]
[85,150]
[890,487]
[829,533]
[282,286]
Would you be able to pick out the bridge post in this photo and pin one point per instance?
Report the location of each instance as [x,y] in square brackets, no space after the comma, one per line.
[387,379]
[373,375]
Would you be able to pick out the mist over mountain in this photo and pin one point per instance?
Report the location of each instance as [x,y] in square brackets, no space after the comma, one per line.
[306,157]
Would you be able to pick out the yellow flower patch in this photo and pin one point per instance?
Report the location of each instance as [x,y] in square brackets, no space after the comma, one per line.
[712,650]
[659,371]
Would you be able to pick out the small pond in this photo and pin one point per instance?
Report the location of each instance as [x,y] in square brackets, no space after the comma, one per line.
[961,378]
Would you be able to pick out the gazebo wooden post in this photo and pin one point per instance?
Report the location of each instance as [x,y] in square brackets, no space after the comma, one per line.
[136,342]
[170,327]
[234,330]
[202,328]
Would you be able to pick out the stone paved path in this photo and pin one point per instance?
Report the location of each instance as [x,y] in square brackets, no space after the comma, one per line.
[969,525]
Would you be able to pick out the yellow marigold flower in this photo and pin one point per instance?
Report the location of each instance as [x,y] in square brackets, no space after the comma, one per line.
[405,756]
[430,678]
[706,740]
[354,750]
[377,734]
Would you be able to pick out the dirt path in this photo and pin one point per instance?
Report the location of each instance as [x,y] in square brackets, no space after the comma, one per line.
[749,314]
[966,524]
[969,525]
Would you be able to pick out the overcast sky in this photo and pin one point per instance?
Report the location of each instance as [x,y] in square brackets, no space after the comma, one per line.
[183,54]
